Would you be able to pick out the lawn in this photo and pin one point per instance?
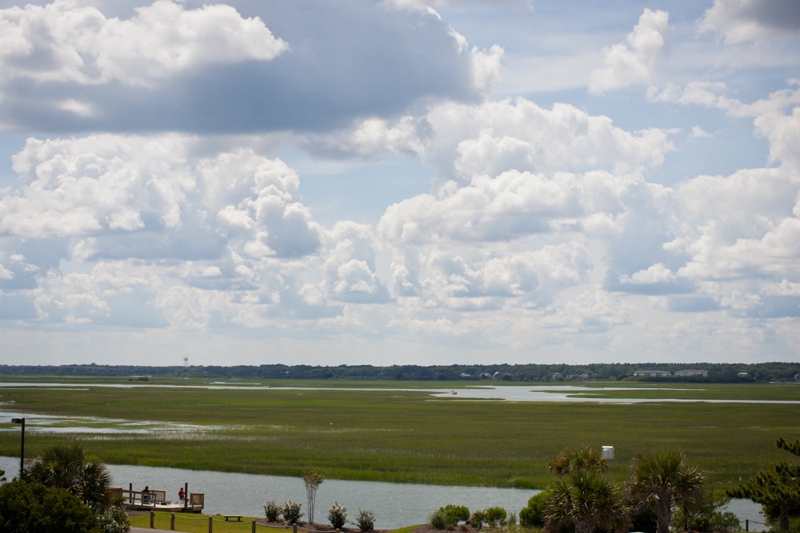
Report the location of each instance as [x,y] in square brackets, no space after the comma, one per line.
[198,523]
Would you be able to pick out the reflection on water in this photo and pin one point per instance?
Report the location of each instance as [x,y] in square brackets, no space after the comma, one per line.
[38,423]
[394,504]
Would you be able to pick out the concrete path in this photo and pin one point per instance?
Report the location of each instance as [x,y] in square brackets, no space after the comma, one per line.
[148,530]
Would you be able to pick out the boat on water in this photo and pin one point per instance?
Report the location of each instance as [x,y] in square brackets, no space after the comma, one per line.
[156,500]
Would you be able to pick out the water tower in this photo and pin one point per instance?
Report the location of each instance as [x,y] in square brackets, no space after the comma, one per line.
[185,362]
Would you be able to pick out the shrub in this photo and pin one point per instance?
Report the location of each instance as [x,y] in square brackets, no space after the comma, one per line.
[337,515]
[477,519]
[495,516]
[532,515]
[114,520]
[512,519]
[439,519]
[291,512]
[272,510]
[34,508]
[365,520]
[456,513]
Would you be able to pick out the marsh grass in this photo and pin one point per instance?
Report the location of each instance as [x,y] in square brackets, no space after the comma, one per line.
[399,436]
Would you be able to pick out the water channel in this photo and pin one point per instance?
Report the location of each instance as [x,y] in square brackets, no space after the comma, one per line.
[394,504]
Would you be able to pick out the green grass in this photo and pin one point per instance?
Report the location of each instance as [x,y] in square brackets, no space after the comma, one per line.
[407,437]
[198,523]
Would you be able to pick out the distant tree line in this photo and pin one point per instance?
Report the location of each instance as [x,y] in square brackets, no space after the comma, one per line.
[717,372]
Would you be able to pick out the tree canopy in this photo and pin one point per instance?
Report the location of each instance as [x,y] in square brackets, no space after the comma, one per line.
[34,508]
[776,485]
[71,469]
[664,480]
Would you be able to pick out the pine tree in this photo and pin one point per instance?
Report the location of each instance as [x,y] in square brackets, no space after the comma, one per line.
[776,486]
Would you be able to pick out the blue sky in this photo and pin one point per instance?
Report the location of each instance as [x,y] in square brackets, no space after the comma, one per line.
[399,181]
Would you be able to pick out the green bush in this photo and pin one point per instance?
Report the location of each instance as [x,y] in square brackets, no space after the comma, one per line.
[291,512]
[532,515]
[272,510]
[337,515]
[495,516]
[438,520]
[456,513]
[365,520]
[449,516]
[34,508]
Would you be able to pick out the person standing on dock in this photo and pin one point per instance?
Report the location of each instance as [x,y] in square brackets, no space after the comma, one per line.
[146,495]
[181,494]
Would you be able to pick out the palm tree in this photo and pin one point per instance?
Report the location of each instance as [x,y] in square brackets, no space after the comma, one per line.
[664,480]
[583,459]
[71,469]
[586,500]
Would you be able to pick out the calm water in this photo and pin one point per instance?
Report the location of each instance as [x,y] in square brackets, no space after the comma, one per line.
[394,504]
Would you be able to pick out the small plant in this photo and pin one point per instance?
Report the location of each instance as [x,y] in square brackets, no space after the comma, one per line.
[456,513]
[495,516]
[291,512]
[365,520]
[512,519]
[114,520]
[272,510]
[448,517]
[477,519]
[438,520]
[337,515]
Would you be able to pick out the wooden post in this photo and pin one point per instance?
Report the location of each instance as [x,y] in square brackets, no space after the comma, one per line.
[172,521]
[210,524]
[294,528]
[253,527]
[746,524]
[185,495]
[152,520]
[130,492]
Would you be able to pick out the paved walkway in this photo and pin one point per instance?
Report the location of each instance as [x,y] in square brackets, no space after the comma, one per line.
[148,530]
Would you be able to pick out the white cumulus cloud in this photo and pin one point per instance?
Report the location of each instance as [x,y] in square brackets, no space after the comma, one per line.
[68,41]
[638,58]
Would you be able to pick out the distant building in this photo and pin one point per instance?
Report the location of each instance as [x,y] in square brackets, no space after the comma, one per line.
[745,375]
[691,372]
[465,375]
[653,373]
[496,375]
[583,377]
[485,375]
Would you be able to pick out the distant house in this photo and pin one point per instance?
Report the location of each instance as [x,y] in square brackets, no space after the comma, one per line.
[496,375]
[691,372]
[465,375]
[485,375]
[744,375]
[653,373]
[582,377]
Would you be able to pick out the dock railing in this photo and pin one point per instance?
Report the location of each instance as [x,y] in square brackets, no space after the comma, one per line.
[156,499]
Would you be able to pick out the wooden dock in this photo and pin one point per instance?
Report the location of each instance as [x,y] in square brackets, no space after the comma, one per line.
[156,500]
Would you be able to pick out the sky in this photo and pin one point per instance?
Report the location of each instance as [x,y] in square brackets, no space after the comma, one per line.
[388,182]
